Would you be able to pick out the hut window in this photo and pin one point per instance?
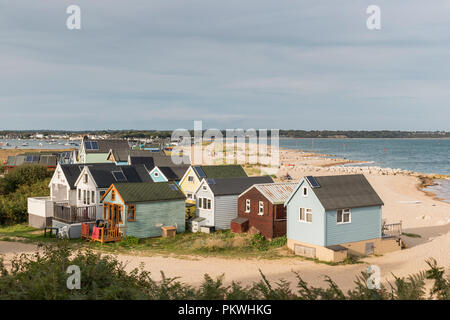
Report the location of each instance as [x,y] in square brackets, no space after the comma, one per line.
[343,216]
[247,205]
[113,195]
[105,211]
[156,174]
[189,195]
[261,208]
[200,203]
[93,196]
[209,203]
[88,197]
[190,178]
[131,212]
[79,194]
[305,191]
[84,196]
[305,215]
[204,188]
[85,178]
[205,206]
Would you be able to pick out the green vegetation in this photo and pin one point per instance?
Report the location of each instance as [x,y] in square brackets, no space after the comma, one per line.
[220,243]
[43,276]
[15,188]
[411,235]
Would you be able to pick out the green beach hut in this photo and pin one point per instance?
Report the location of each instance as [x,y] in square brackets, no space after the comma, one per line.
[141,209]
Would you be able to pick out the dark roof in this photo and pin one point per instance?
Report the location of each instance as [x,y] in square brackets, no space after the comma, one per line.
[144,192]
[103,174]
[236,185]
[32,158]
[174,173]
[222,171]
[153,160]
[239,220]
[48,160]
[346,191]
[122,154]
[104,146]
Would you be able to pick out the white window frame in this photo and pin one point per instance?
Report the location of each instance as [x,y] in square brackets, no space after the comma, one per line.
[156,174]
[260,208]
[247,205]
[303,191]
[190,179]
[200,203]
[204,188]
[344,212]
[85,178]
[93,197]
[189,195]
[306,211]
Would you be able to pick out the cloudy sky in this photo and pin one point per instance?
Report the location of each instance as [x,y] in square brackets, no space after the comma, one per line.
[161,64]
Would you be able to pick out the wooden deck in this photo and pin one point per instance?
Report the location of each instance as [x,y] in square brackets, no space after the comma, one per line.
[104,234]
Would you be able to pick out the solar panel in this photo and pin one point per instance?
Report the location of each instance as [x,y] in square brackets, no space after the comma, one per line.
[35,158]
[94,145]
[173,187]
[211,181]
[119,176]
[29,159]
[200,172]
[88,146]
[313,182]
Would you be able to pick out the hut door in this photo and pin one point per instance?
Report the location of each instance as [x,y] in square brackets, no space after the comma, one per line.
[115,215]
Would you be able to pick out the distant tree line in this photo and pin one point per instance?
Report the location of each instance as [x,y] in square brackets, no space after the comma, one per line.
[146,134]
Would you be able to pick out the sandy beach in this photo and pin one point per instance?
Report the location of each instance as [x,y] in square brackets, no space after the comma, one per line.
[419,212]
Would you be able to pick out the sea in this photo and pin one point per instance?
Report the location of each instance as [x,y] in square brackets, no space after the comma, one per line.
[419,155]
[38,144]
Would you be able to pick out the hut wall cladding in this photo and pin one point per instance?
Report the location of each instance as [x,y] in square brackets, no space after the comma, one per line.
[266,224]
[150,214]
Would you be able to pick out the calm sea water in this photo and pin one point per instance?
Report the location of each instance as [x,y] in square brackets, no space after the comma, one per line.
[421,155]
[37,144]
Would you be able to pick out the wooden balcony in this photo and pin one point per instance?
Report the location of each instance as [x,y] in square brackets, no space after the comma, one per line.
[73,214]
[393,230]
[102,235]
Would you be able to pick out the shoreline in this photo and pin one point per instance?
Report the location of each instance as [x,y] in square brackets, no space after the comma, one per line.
[336,164]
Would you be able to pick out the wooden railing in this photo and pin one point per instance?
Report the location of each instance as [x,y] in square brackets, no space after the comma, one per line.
[73,214]
[392,230]
[104,234]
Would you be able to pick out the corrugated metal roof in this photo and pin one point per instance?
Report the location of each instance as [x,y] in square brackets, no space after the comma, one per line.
[277,193]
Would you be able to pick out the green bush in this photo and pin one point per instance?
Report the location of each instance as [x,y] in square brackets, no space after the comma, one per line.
[43,276]
[259,242]
[279,242]
[23,175]
[13,206]
[129,241]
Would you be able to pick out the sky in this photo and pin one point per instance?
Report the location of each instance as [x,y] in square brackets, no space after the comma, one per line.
[274,64]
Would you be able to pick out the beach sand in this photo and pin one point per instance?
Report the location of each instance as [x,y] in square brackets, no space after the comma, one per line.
[404,201]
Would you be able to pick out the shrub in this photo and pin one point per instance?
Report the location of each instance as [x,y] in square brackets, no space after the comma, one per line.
[13,207]
[23,175]
[43,276]
[259,242]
